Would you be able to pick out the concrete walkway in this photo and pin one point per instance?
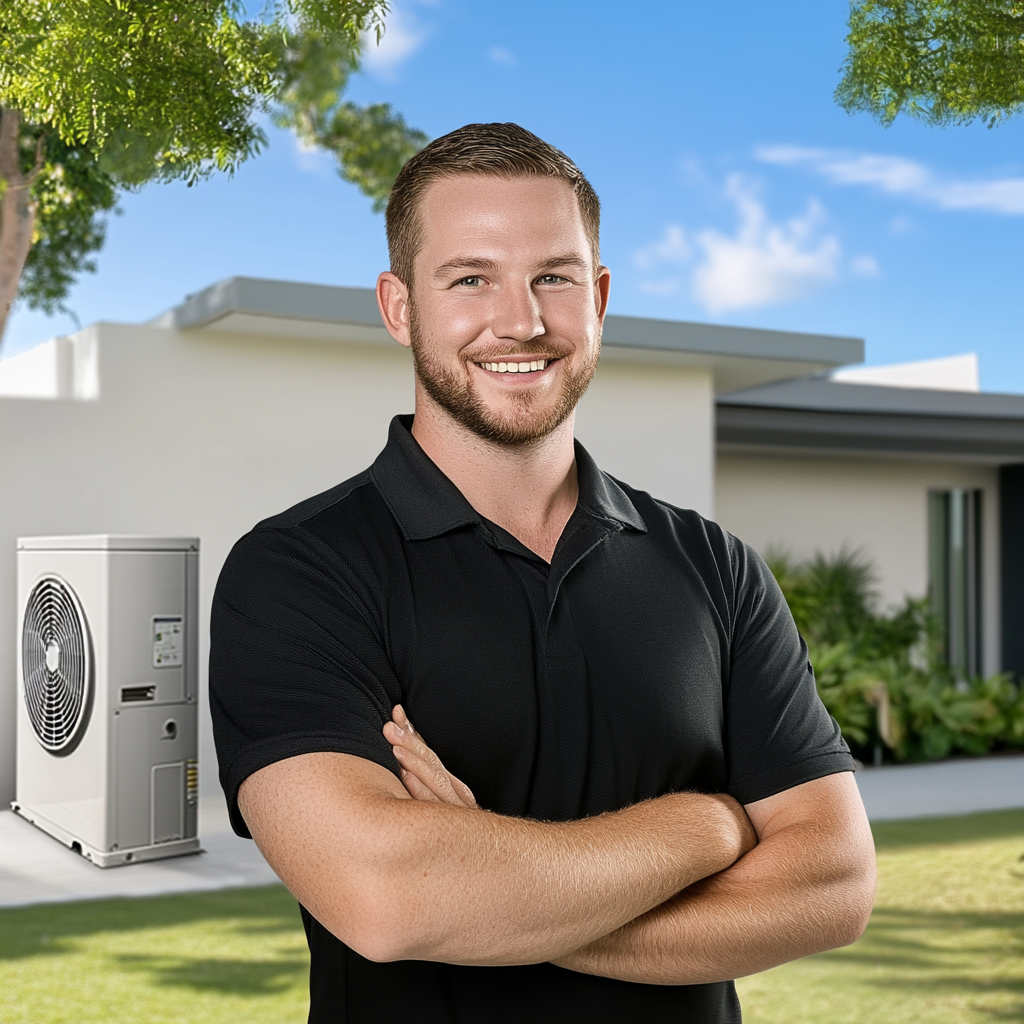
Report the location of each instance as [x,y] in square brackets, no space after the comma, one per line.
[946,787]
[37,869]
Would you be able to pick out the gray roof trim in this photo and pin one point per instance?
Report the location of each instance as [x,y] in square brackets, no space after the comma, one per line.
[287,300]
[763,427]
[719,340]
[822,395]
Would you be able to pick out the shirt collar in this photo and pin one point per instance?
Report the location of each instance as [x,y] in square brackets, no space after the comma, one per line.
[426,503]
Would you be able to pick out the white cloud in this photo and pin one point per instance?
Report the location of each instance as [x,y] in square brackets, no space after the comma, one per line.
[764,263]
[897,175]
[403,36]
[672,247]
[499,55]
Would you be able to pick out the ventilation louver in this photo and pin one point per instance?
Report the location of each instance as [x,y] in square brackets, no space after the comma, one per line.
[57,664]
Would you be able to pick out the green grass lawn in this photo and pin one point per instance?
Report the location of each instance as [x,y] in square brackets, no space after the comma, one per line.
[946,939]
[232,957]
[945,945]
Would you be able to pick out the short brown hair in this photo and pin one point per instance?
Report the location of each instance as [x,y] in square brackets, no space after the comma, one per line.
[493,150]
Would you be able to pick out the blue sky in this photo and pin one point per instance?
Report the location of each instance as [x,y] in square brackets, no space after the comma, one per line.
[734,190]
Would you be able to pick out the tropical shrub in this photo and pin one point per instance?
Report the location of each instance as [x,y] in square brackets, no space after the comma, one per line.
[881,674]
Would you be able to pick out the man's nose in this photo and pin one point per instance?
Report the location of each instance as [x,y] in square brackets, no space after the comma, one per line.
[516,313]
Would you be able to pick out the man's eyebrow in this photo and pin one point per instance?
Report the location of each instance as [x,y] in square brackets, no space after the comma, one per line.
[457,263]
[464,263]
[566,259]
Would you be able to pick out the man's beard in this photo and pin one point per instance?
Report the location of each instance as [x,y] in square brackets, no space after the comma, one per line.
[516,429]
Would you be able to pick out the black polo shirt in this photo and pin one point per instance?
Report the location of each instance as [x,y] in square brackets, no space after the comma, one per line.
[654,654]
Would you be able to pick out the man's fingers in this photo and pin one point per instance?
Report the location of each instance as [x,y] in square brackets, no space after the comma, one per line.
[399,715]
[434,778]
[401,737]
[416,789]
[407,737]
[463,790]
[423,764]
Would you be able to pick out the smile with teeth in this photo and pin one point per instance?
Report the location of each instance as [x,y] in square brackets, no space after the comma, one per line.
[525,367]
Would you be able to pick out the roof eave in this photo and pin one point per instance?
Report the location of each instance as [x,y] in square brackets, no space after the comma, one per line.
[737,357]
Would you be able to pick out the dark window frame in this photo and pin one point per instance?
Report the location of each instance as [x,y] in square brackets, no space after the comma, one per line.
[955,575]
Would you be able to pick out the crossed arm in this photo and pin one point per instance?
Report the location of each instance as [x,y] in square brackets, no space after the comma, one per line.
[677,890]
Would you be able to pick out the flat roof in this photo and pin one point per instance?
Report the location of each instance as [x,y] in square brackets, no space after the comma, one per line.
[817,415]
[826,395]
[739,357]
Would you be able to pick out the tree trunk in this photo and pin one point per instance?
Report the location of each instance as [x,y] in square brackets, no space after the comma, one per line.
[17,214]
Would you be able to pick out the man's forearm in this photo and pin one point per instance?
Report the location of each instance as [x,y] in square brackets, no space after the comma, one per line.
[397,878]
[806,888]
[525,891]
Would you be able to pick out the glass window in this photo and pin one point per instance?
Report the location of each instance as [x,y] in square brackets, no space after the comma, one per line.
[954,575]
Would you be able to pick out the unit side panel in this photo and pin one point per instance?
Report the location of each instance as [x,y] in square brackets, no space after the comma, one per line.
[149,621]
[156,745]
[192,626]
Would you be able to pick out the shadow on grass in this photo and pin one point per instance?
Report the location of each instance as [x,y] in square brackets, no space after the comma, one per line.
[47,928]
[223,976]
[933,951]
[966,828]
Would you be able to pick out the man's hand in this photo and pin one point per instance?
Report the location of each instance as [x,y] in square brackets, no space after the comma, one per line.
[432,878]
[423,774]
[426,778]
[808,887]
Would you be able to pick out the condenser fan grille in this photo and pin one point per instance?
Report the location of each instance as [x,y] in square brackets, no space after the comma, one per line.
[56,662]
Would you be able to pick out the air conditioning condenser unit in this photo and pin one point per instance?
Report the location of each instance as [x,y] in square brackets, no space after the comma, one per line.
[108,659]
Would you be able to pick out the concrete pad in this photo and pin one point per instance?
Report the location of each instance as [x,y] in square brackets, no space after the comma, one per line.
[960,786]
[35,868]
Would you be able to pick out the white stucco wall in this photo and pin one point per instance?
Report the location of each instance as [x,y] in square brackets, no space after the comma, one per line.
[807,504]
[205,433]
[653,427]
[192,434]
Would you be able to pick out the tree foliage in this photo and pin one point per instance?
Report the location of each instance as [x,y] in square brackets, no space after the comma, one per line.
[370,143]
[72,195]
[100,96]
[158,88]
[941,62]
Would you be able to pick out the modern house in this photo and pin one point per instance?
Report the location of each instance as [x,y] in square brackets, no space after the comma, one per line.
[252,395]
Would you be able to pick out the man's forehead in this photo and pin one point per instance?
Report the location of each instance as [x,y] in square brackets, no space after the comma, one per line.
[480,197]
[472,208]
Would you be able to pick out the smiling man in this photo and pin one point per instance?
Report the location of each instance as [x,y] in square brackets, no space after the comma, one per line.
[622,791]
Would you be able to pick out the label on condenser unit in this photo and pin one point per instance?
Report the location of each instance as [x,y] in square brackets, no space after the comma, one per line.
[168,641]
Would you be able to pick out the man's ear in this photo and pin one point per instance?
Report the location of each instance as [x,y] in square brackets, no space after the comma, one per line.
[393,302]
[602,287]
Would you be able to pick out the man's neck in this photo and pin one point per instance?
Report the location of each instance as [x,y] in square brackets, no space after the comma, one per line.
[530,491]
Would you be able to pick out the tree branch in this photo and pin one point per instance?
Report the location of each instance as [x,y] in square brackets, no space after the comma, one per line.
[40,160]
[18,218]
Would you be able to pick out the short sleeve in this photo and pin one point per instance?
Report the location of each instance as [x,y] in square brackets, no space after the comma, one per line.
[779,734]
[297,660]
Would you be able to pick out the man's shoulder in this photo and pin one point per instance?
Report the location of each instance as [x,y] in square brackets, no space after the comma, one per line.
[346,531]
[346,498]
[675,524]
[685,536]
